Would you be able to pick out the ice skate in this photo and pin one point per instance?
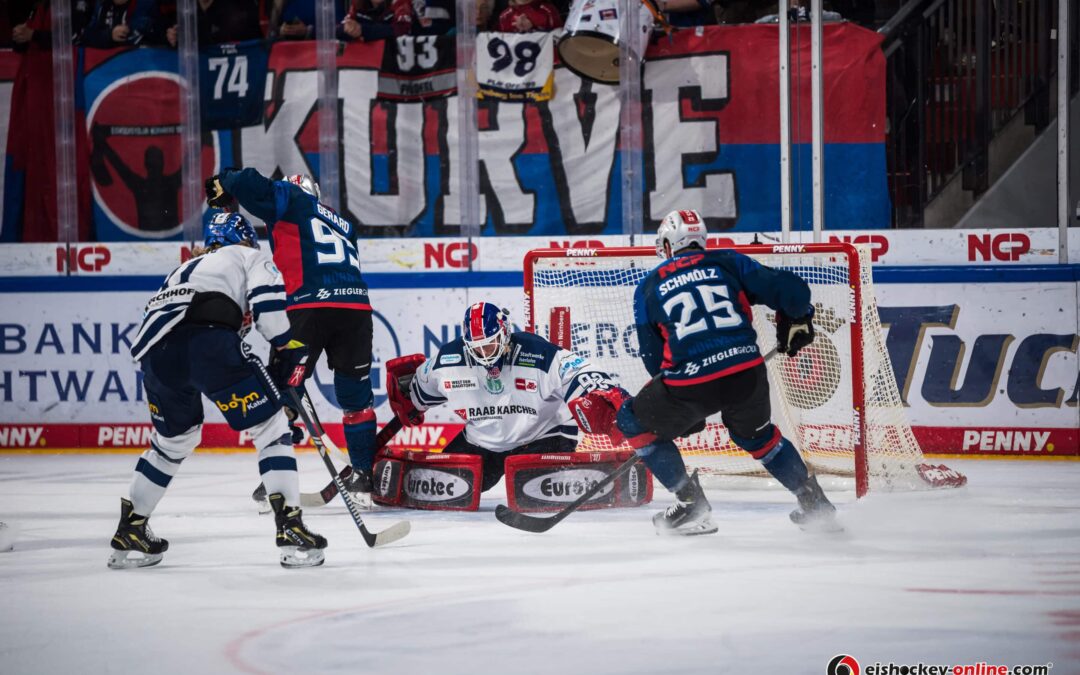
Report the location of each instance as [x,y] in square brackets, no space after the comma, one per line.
[815,512]
[359,486]
[299,546]
[689,515]
[134,544]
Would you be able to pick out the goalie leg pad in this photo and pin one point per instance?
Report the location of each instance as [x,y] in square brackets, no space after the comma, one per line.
[428,480]
[548,482]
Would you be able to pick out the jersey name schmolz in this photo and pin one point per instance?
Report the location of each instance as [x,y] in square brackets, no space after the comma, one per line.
[686,278]
[499,410]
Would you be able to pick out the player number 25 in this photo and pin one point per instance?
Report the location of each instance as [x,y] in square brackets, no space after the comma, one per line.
[233,80]
[716,303]
[341,247]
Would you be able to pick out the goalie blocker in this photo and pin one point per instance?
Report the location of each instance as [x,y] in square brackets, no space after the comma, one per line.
[536,482]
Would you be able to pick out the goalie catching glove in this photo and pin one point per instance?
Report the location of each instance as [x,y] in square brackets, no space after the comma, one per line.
[399,376]
[595,413]
[794,334]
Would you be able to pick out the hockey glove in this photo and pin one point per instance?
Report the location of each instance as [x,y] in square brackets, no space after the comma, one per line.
[400,373]
[595,412]
[288,364]
[794,334]
[294,428]
[216,196]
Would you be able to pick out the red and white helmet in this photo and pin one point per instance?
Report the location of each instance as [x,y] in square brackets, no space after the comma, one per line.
[306,183]
[678,230]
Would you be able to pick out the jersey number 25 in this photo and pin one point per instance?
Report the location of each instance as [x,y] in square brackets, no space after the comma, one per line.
[714,300]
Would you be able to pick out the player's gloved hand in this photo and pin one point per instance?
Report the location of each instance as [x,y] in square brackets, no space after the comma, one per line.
[294,428]
[400,373]
[794,334]
[288,364]
[216,196]
[595,412]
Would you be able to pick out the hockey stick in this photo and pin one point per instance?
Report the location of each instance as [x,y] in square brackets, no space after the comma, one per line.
[390,534]
[325,495]
[520,521]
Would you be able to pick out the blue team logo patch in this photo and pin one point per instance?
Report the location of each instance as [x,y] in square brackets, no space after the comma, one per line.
[571,365]
[449,359]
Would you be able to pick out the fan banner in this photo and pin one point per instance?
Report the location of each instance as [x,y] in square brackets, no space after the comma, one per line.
[711,136]
[515,66]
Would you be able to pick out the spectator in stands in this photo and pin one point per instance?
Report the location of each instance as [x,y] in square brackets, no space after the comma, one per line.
[525,16]
[120,23]
[222,21]
[434,17]
[685,13]
[369,20]
[295,19]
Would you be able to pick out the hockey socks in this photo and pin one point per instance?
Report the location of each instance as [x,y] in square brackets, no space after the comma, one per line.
[665,461]
[277,466]
[355,398]
[786,466]
[157,466]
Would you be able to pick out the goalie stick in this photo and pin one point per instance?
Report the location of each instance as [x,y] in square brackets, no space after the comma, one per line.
[390,534]
[520,521]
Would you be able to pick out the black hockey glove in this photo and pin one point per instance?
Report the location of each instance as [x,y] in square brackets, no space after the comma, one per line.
[216,196]
[294,428]
[794,334]
[288,364]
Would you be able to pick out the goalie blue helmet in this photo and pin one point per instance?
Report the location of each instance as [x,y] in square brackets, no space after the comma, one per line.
[486,332]
[226,229]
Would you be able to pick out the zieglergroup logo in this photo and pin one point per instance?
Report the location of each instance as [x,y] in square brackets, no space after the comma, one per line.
[843,664]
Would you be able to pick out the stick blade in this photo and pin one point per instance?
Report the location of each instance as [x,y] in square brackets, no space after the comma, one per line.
[520,521]
[388,536]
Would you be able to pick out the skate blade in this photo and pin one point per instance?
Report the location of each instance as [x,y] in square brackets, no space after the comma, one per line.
[263,506]
[705,527]
[126,560]
[821,524]
[297,556]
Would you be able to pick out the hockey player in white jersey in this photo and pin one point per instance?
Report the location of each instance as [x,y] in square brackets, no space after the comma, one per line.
[189,345]
[510,388]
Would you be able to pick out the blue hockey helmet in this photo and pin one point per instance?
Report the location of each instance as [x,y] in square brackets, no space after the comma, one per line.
[230,228]
[486,332]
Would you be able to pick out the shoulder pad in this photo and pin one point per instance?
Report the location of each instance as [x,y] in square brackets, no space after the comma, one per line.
[532,351]
[450,354]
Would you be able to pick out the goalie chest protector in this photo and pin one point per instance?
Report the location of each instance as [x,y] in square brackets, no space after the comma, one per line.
[549,482]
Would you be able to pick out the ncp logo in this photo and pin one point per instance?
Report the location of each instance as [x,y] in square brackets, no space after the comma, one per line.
[384,346]
[1008,246]
[82,258]
[457,254]
[135,154]
[843,664]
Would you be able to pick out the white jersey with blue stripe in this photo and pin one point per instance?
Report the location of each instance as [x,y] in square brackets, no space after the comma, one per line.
[521,403]
[244,275]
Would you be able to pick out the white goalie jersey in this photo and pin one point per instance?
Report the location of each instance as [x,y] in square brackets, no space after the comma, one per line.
[522,401]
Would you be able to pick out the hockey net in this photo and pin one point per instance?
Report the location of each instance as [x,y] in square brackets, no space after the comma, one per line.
[837,400]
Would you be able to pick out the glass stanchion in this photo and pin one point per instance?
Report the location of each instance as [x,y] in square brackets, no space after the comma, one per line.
[468,167]
[326,59]
[631,156]
[67,217]
[191,192]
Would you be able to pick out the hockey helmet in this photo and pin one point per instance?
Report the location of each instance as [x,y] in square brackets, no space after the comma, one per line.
[678,230]
[306,183]
[230,228]
[486,332]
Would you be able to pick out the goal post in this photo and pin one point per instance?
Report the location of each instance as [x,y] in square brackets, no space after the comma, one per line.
[837,400]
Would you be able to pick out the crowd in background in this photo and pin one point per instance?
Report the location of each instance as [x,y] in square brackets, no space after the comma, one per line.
[118,23]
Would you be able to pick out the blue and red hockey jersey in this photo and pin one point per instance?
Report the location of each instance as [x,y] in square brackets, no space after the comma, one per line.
[694,318]
[313,246]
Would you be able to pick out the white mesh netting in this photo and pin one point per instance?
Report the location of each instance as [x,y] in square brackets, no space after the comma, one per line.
[814,400]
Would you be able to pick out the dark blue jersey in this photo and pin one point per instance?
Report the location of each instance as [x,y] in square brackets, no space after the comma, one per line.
[232,83]
[693,315]
[313,246]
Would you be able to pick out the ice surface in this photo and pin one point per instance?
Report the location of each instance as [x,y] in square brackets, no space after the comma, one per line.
[988,573]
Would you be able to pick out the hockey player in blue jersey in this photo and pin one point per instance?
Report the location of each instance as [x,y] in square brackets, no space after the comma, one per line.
[189,345]
[328,306]
[698,342]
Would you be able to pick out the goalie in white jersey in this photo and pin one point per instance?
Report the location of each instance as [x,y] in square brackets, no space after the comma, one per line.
[510,388]
[189,345]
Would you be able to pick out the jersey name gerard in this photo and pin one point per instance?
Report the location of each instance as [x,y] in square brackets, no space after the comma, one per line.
[687,278]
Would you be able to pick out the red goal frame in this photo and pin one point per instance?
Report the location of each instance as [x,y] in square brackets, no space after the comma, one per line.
[855,270]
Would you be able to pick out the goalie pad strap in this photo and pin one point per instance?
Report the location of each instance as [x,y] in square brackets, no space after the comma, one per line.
[549,482]
[427,480]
